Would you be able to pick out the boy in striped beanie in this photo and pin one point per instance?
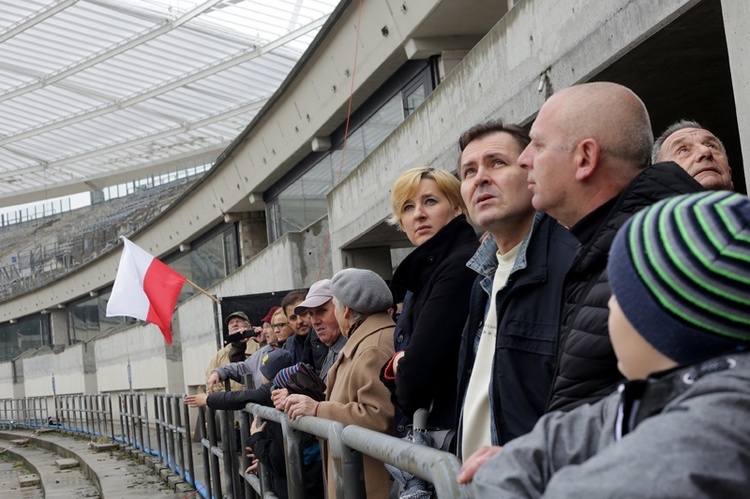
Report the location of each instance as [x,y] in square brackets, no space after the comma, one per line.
[680,326]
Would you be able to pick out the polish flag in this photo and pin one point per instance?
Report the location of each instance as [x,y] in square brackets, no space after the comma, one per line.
[145,288]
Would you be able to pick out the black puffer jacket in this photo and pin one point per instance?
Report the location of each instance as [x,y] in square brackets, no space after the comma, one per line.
[587,367]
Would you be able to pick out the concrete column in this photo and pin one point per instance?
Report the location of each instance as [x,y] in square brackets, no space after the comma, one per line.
[377,259]
[449,59]
[736,22]
[88,359]
[58,324]
[19,388]
[253,235]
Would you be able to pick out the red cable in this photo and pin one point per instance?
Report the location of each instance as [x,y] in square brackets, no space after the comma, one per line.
[346,131]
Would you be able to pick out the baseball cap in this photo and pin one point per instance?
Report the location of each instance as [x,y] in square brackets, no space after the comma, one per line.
[241,315]
[319,293]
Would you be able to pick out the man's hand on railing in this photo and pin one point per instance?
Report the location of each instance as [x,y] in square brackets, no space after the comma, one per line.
[279,398]
[214,382]
[200,400]
[475,462]
[300,405]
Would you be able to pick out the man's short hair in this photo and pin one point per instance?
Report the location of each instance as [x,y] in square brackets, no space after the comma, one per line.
[293,297]
[519,134]
[675,127]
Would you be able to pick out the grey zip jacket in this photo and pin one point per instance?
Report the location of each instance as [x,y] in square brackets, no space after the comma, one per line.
[682,433]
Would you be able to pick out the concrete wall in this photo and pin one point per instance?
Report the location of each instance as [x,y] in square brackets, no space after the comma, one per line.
[195,325]
[67,367]
[6,381]
[499,78]
[149,356]
[737,29]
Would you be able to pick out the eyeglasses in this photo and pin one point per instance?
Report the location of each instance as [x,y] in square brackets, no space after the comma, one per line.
[278,326]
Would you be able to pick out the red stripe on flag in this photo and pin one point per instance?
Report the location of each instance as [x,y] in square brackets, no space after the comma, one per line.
[162,285]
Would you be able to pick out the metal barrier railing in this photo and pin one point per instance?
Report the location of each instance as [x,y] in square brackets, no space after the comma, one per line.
[223,462]
[133,418]
[347,444]
[85,415]
[91,415]
[173,436]
[8,414]
[31,412]
[256,484]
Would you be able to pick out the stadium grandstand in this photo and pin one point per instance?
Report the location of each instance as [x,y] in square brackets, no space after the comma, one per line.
[251,145]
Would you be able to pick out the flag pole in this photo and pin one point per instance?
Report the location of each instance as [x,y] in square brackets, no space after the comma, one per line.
[203,291]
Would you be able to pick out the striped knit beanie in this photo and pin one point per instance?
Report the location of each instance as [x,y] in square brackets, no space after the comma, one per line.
[283,377]
[681,273]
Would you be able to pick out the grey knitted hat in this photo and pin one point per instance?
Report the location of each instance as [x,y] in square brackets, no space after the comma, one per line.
[361,290]
[681,273]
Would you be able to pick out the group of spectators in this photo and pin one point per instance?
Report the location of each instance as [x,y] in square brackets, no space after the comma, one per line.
[593,344]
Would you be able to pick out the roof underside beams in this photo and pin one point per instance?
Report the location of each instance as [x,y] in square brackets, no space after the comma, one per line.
[92,89]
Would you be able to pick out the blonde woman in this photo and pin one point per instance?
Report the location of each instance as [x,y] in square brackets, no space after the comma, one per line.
[428,207]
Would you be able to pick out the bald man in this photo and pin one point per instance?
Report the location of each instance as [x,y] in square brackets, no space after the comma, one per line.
[698,151]
[588,167]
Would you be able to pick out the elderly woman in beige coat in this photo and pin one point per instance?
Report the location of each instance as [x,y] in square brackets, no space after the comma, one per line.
[355,394]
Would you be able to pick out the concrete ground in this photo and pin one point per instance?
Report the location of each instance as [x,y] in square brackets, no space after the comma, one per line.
[10,486]
[110,474]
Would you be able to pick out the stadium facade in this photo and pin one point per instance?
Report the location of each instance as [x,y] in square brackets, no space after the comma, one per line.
[272,210]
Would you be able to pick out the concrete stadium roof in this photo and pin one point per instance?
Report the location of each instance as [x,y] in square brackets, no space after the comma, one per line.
[98,92]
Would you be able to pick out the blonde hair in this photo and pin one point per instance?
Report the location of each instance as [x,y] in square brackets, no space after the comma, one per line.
[280,312]
[408,183]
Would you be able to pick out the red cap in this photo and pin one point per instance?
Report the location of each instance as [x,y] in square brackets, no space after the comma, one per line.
[268,317]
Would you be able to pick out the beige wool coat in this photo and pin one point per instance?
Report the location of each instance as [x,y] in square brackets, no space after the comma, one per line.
[355,395]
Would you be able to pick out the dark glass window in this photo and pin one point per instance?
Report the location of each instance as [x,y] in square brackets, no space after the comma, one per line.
[299,199]
[27,333]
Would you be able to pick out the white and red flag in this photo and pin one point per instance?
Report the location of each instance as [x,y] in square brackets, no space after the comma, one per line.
[145,288]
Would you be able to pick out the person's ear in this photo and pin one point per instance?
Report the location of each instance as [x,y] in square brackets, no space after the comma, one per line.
[347,312]
[587,154]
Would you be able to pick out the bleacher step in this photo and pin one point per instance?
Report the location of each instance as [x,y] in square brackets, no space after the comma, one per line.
[66,464]
[98,447]
[29,480]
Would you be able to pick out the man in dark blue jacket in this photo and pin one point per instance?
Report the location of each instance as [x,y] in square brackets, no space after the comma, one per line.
[509,343]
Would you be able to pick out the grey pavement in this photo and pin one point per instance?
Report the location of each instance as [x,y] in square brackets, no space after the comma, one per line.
[10,488]
[31,460]
[117,474]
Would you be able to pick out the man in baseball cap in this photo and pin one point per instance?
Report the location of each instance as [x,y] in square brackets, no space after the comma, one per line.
[233,351]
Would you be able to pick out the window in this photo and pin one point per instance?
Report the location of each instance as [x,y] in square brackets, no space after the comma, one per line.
[27,333]
[300,198]
[209,260]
